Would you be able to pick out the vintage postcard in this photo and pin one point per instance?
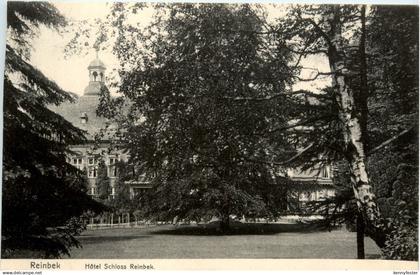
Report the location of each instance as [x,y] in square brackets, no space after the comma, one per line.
[144,136]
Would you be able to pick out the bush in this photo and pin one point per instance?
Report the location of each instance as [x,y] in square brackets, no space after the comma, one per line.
[402,242]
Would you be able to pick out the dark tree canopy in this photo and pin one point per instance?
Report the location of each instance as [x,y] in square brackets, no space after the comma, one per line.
[187,128]
[103,181]
[41,191]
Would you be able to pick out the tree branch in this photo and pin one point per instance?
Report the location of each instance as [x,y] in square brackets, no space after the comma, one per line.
[318,29]
[275,96]
[386,142]
[318,74]
[282,163]
[301,123]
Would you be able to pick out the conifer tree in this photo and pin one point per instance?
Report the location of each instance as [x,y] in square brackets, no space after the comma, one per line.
[42,193]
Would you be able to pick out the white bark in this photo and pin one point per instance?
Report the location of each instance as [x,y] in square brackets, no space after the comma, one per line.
[350,118]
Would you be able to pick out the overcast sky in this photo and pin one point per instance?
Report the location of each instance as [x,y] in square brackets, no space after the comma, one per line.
[71,73]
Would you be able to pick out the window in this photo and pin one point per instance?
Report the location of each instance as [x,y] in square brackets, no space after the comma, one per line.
[112,160]
[322,195]
[95,75]
[112,169]
[93,191]
[91,161]
[325,172]
[77,162]
[92,172]
[92,168]
[84,118]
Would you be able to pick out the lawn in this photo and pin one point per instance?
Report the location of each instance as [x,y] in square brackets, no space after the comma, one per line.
[247,241]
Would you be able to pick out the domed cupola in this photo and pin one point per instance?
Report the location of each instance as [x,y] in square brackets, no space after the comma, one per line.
[96,77]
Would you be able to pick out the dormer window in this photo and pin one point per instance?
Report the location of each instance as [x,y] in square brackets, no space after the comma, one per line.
[325,172]
[84,118]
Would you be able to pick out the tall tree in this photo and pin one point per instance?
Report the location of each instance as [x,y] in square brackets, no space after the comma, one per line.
[186,127]
[103,181]
[356,53]
[323,30]
[42,193]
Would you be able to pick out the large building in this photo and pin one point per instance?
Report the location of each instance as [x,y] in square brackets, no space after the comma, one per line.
[310,186]
[82,114]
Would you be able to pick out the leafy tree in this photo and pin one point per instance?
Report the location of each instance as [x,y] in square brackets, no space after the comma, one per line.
[42,193]
[201,147]
[103,182]
[121,201]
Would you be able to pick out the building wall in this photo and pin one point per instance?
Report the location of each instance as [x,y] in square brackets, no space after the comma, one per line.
[87,157]
[311,185]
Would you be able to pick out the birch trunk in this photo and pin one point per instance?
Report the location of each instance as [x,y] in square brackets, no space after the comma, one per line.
[351,123]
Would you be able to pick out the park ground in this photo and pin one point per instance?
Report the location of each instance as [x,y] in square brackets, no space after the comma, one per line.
[251,241]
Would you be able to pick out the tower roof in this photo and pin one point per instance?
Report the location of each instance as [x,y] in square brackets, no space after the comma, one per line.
[96,63]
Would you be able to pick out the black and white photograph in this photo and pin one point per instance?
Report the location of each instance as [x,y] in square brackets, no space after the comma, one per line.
[170,130]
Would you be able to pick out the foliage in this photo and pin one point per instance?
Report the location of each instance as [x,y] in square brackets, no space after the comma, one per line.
[42,193]
[402,242]
[122,201]
[393,107]
[391,103]
[202,147]
[103,182]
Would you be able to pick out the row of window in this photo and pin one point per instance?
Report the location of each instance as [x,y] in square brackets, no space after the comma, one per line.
[92,161]
[93,171]
[323,173]
[92,166]
[316,195]
[94,191]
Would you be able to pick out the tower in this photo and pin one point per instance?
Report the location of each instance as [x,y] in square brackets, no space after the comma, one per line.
[96,77]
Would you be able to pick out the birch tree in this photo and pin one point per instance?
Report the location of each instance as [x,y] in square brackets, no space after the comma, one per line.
[335,31]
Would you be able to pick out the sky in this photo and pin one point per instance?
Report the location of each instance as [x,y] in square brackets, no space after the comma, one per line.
[70,72]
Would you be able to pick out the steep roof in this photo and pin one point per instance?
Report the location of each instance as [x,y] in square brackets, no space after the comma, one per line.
[84,106]
[94,88]
[96,63]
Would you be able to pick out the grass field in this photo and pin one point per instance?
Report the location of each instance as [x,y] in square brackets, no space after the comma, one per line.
[247,241]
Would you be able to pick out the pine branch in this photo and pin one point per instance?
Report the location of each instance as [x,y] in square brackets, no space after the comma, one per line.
[388,141]
[300,92]
[317,28]
[301,123]
[282,163]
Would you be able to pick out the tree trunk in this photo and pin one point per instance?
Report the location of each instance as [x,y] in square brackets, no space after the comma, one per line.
[350,117]
[363,94]
[224,223]
[360,228]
